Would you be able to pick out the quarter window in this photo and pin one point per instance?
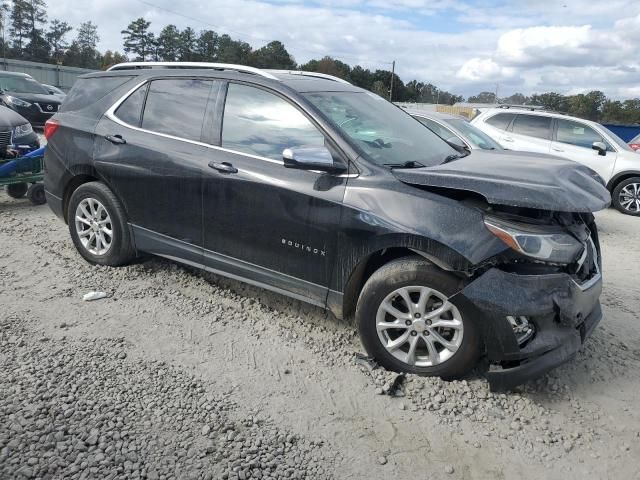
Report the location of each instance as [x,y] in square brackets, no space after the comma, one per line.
[131,109]
[177,107]
[501,121]
[260,123]
[575,133]
[532,126]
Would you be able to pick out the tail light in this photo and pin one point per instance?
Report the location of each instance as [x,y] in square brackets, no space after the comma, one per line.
[635,146]
[50,128]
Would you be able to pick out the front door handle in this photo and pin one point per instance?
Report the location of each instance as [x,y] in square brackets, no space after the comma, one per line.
[556,149]
[116,139]
[224,167]
[508,139]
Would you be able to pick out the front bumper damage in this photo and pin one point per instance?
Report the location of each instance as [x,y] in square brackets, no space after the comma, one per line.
[562,311]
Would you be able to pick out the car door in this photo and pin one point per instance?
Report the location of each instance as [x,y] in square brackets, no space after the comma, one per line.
[574,140]
[148,149]
[528,133]
[265,223]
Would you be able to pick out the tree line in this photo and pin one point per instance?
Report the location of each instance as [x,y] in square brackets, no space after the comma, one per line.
[173,44]
[28,34]
[593,105]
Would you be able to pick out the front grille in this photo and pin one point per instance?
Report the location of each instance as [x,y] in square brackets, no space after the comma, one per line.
[5,140]
[48,107]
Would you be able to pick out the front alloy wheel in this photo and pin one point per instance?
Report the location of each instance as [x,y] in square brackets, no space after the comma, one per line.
[419,326]
[628,197]
[408,323]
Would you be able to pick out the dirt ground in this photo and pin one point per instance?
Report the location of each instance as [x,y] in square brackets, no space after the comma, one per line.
[280,370]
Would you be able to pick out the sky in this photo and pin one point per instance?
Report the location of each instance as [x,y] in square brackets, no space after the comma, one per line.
[567,46]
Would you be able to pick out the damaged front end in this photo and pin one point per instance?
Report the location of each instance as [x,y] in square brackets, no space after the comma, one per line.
[538,300]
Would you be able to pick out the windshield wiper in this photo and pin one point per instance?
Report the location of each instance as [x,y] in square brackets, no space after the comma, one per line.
[451,158]
[409,164]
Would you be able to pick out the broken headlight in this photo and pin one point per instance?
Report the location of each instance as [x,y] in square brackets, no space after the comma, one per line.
[546,243]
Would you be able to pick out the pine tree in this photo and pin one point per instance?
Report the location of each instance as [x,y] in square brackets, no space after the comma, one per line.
[19,25]
[55,36]
[169,42]
[138,39]
[36,18]
[188,42]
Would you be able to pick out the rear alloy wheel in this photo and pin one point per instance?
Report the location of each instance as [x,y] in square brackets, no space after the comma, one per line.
[626,196]
[98,225]
[408,323]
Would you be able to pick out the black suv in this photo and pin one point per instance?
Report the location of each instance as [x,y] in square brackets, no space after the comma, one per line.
[20,92]
[314,188]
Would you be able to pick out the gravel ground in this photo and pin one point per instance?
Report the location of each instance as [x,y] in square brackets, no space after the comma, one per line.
[182,374]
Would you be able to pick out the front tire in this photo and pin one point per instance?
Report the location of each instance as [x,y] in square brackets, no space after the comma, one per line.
[408,324]
[626,196]
[98,226]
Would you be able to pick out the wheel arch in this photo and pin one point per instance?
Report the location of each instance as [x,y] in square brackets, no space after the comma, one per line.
[79,176]
[368,264]
[616,179]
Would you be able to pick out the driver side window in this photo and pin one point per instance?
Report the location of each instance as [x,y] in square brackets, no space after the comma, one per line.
[260,123]
[578,134]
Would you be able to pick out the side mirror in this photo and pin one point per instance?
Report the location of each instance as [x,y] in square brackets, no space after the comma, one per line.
[457,144]
[51,92]
[600,147]
[309,158]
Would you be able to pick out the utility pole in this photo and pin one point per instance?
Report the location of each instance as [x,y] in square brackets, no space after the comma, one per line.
[495,100]
[393,71]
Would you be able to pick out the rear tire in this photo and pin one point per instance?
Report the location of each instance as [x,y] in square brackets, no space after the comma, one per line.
[35,193]
[98,226]
[434,337]
[626,196]
[17,190]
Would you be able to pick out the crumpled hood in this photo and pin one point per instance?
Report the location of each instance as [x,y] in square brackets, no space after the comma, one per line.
[517,179]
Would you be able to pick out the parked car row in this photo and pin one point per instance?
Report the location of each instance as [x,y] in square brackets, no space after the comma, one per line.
[307,185]
[23,94]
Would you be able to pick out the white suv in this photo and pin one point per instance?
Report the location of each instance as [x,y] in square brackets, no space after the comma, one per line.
[580,140]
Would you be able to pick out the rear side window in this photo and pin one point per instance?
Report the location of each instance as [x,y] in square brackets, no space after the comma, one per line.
[501,120]
[89,90]
[130,111]
[261,123]
[177,107]
[532,126]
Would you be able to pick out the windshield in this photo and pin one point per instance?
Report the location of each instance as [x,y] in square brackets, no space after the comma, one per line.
[21,85]
[474,135]
[380,131]
[621,144]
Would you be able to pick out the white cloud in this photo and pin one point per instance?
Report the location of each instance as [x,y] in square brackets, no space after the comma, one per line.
[523,45]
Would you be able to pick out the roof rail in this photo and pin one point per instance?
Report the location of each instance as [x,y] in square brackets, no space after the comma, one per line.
[303,73]
[533,108]
[192,65]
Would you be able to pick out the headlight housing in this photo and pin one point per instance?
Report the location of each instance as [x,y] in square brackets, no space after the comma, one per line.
[22,130]
[545,243]
[17,102]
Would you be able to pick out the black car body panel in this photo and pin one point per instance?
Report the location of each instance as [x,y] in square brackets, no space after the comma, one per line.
[525,180]
[313,234]
[9,120]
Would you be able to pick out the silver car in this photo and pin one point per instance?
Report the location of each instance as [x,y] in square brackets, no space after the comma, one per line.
[449,127]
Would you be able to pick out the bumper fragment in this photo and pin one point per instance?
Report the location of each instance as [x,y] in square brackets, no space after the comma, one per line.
[563,312]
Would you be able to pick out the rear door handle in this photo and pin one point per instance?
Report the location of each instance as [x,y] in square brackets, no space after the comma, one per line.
[556,149]
[508,139]
[116,139]
[224,167]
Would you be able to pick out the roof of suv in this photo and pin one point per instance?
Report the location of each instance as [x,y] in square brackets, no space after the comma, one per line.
[297,80]
[540,113]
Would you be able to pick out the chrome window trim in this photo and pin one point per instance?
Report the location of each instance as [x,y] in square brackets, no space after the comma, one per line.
[111,115]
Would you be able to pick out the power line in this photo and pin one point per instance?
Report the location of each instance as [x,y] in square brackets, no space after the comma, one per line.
[250,35]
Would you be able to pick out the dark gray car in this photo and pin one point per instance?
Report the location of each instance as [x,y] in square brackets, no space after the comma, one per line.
[448,126]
